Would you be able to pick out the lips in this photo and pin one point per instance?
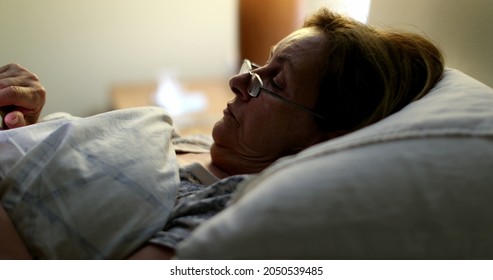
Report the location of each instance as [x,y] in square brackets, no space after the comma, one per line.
[229,112]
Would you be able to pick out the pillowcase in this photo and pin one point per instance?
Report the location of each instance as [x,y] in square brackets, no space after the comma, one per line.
[416,185]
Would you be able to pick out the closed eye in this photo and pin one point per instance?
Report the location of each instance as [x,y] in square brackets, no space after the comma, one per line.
[276,86]
[278,82]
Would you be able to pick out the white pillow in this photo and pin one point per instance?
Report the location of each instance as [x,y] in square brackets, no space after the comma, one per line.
[417,185]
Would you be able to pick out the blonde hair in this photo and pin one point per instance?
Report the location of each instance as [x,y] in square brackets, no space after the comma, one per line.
[370,74]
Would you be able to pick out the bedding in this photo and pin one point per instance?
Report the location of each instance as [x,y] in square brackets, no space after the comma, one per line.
[416,185]
[68,188]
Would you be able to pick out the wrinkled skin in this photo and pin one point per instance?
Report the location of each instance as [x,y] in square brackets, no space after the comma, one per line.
[22,96]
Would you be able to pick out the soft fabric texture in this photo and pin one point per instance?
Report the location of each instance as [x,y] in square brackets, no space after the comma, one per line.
[196,203]
[416,185]
[89,188]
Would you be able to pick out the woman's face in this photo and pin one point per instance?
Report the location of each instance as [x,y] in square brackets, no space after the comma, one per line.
[254,132]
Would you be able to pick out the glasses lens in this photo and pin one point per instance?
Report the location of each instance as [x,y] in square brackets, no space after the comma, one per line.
[255,84]
[245,67]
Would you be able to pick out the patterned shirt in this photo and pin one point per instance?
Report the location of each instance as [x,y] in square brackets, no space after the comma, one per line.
[195,204]
[200,196]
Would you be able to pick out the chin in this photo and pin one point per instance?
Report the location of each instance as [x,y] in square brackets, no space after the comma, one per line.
[223,132]
[215,128]
[219,157]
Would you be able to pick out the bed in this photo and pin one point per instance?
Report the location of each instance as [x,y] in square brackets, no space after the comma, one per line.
[416,185]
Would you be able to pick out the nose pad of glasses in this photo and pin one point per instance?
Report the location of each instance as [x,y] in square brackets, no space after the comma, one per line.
[253,90]
[254,86]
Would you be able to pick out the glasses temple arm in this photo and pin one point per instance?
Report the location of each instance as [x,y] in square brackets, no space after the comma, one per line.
[293,103]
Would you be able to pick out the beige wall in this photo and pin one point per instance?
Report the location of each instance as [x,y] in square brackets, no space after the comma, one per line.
[463,29]
[80,48]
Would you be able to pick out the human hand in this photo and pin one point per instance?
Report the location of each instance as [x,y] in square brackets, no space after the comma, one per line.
[22,96]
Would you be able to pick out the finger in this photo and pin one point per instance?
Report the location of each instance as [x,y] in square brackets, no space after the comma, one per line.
[28,101]
[30,98]
[14,120]
[18,78]
[6,67]
[11,70]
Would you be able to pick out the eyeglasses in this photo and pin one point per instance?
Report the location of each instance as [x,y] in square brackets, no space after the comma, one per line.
[256,85]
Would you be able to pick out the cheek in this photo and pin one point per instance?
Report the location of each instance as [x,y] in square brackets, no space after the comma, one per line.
[267,129]
[261,135]
[248,134]
[275,132]
[257,131]
[257,127]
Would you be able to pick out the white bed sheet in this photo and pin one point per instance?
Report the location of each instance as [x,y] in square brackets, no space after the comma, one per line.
[68,189]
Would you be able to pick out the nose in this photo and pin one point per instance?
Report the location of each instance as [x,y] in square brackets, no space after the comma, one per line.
[239,86]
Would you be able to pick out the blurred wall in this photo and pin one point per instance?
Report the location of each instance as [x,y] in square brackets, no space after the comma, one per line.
[463,29]
[79,49]
[357,9]
[263,23]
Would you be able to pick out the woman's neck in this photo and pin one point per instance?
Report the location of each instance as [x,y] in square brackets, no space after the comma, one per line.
[216,171]
[203,159]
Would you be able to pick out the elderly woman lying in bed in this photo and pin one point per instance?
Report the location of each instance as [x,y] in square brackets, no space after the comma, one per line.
[120,185]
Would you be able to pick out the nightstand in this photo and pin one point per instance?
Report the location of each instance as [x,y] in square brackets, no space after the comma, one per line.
[216,92]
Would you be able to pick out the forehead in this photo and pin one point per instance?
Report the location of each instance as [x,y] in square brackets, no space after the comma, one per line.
[303,44]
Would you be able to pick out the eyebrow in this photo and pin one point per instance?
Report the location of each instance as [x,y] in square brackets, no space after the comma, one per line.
[282,58]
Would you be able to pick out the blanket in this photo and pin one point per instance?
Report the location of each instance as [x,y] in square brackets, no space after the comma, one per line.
[89,188]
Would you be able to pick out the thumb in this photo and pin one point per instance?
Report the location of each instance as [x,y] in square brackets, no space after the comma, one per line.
[14,119]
